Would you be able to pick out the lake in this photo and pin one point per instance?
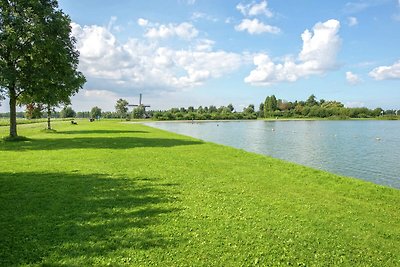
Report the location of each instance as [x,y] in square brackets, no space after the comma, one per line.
[368,150]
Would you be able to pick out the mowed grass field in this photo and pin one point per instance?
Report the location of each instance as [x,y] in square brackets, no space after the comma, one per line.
[123,194]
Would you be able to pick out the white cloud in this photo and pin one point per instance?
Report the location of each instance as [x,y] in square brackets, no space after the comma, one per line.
[144,64]
[255,9]
[142,22]
[86,99]
[256,27]
[317,56]
[191,2]
[184,30]
[352,21]
[199,15]
[352,7]
[352,78]
[205,45]
[386,72]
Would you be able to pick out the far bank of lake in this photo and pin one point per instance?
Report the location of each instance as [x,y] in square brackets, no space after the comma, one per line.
[365,149]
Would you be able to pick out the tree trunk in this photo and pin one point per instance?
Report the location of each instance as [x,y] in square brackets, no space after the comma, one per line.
[13,112]
[48,117]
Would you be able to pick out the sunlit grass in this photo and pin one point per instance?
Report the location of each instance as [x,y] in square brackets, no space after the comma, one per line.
[112,193]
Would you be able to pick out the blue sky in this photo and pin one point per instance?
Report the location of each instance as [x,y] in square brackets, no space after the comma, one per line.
[197,52]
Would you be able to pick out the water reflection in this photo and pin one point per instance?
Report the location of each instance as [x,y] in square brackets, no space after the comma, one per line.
[368,150]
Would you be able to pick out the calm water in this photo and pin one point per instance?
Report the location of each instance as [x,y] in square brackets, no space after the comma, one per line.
[369,150]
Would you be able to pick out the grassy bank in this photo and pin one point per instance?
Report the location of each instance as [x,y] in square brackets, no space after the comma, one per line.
[111,193]
[6,121]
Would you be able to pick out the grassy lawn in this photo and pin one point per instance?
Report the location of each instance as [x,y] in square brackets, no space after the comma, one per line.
[111,193]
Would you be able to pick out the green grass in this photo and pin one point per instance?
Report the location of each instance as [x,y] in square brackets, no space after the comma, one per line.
[120,194]
[6,121]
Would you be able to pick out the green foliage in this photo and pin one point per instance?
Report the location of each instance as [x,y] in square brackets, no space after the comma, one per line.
[95,112]
[33,111]
[311,101]
[270,105]
[121,108]
[146,197]
[67,112]
[314,109]
[205,113]
[139,112]
[38,59]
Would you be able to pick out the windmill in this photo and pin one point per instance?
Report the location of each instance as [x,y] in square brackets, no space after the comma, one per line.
[140,105]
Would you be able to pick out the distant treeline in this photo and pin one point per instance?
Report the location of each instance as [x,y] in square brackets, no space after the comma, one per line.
[276,108]
[311,108]
[270,108]
[206,113]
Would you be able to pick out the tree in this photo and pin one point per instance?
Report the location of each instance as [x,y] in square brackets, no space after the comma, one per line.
[261,110]
[38,60]
[95,112]
[33,111]
[231,108]
[57,78]
[121,107]
[270,105]
[212,109]
[139,112]
[67,112]
[311,101]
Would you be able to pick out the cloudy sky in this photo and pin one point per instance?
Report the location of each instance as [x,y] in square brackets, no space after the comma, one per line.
[207,52]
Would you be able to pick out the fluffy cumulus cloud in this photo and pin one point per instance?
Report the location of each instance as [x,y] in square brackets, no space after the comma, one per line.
[142,22]
[146,65]
[254,26]
[352,78]
[184,31]
[386,72]
[204,45]
[318,55]
[255,9]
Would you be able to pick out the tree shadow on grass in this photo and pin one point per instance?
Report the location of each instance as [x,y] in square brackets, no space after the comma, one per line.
[72,218]
[100,132]
[96,142]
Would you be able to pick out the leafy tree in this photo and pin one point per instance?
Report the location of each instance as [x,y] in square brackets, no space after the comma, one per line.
[311,101]
[377,112]
[249,109]
[139,113]
[283,105]
[67,112]
[270,105]
[95,112]
[57,77]
[33,111]
[38,60]
[231,108]
[261,110]
[212,109]
[83,114]
[121,107]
